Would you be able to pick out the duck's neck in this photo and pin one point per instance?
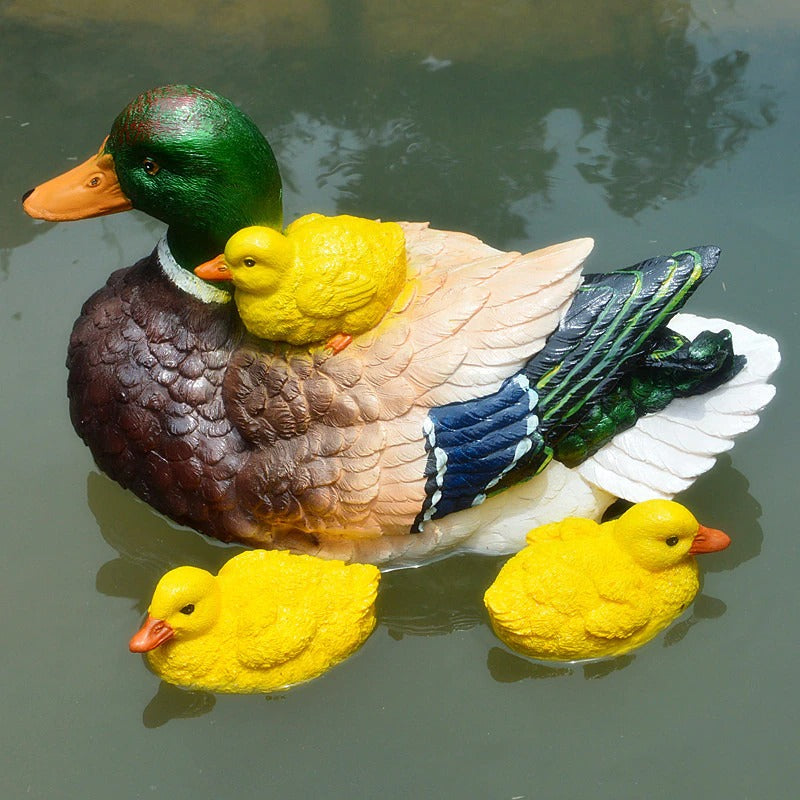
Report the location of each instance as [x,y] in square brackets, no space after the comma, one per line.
[190,247]
[193,243]
[187,281]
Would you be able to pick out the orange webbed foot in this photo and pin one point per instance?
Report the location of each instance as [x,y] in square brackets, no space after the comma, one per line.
[338,342]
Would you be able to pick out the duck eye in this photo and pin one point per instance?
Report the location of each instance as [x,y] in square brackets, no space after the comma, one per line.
[672,541]
[187,609]
[249,262]
[150,166]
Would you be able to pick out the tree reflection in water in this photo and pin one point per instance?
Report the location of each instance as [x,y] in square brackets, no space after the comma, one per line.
[405,111]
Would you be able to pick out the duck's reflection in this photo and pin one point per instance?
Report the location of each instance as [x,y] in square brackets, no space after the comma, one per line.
[148,545]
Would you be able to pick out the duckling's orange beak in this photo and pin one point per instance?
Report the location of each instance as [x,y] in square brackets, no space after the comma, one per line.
[214,270]
[152,633]
[89,190]
[709,540]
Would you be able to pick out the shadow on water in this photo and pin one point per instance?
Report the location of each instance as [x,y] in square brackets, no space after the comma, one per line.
[653,110]
[170,702]
[704,607]
[738,517]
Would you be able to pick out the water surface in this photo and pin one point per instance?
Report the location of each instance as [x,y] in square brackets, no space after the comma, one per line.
[649,124]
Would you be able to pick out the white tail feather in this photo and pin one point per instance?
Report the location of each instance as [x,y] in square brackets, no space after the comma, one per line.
[664,452]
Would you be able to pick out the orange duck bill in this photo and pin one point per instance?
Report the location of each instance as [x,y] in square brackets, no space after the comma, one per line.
[709,540]
[152,633]
[214,270]
[89,190]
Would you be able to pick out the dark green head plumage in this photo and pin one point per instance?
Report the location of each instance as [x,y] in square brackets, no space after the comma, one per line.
[193,160]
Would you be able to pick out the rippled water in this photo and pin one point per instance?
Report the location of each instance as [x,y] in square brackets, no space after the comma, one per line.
[649,124]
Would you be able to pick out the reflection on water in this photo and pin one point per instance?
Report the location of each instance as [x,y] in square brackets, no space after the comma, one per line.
[147,544]
[507,667]
[439,598]
[647,146]
[390,141]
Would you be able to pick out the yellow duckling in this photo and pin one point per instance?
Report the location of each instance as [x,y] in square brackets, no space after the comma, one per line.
[268,620]
[325,278]
[581,590]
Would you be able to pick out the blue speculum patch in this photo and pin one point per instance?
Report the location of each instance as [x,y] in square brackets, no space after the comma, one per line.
[472,445]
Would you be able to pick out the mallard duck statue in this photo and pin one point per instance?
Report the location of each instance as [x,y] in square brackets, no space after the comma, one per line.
[499,392]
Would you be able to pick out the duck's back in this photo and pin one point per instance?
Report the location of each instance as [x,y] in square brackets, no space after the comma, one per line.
[293,448]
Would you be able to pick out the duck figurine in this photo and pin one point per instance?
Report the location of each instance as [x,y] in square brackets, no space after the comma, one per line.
[500,391]
[583,590]
[267,621]
[325,278]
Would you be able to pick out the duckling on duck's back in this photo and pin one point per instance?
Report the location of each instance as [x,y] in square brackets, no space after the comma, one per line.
[326,278]
[586,590]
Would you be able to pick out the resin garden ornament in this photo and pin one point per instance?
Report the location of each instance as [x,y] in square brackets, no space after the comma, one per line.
[582,590]
[267,621]
[500,391]
[327,278]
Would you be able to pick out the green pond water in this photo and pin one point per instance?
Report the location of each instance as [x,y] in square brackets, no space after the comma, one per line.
[651,125]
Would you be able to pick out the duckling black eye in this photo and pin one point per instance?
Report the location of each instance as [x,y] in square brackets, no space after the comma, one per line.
[187,609]
[249,262]
[150,166]
[672,541]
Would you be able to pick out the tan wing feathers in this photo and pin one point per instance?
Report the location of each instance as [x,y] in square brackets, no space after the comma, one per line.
[478,317]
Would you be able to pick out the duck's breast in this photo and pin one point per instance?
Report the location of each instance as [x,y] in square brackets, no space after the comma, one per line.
[146,365]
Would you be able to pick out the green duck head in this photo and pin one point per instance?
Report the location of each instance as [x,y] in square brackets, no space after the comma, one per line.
[183,155]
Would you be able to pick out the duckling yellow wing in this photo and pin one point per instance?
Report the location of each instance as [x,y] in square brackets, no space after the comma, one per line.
[273,635]
[554,602]
[273,622]
[623,607]
[335,296]
[564,531]
[296,616]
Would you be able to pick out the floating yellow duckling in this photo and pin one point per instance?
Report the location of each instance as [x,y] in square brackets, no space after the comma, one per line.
[268,620]
[325,278]
[586,590]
